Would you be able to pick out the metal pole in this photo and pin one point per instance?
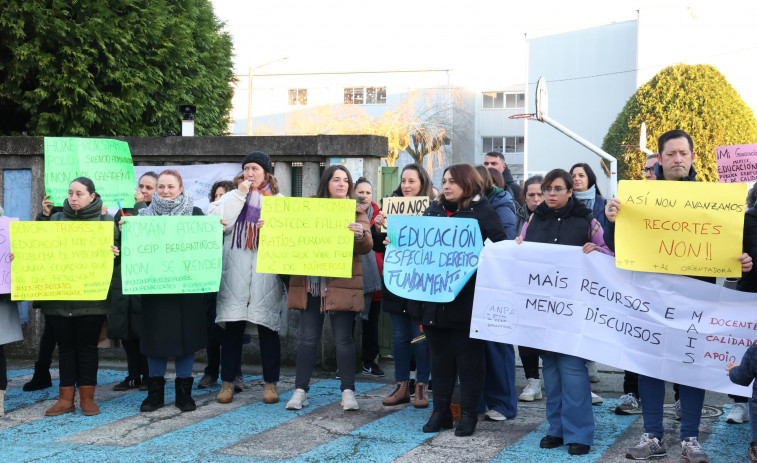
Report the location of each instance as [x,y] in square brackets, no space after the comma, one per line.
[249,103]
[613,162]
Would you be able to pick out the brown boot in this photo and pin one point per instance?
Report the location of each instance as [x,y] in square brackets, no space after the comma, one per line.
[401,395]
[421,396]
[87,401]
[226,395]
[271,395]
[65,403]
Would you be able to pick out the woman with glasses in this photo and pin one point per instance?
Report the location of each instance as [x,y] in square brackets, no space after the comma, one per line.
[560,219]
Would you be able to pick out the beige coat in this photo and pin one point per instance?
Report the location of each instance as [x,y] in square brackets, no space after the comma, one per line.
[341,293]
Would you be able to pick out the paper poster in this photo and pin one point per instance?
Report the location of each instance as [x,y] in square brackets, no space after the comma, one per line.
[198,179]
[685,228]
[403,205]
[171,254]
[61,261]
[306,236]
[106,162]
[737,163]
[5,250]
[431,258]
[557,298]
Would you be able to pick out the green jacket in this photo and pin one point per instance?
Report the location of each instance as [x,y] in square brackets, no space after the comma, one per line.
[91,213]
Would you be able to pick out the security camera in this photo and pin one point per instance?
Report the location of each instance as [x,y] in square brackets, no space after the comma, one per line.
[187,111]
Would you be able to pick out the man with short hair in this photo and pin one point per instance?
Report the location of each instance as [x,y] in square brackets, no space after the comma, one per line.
[649,167]
[674,163]
[496,160]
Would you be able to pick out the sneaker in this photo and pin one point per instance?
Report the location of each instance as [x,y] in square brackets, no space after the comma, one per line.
[206,381]
[238,384]
[128,383]
[299,399]
[593,373]
[691,451]
[595,399]
[372,369]
[532,391]
[678,410]
[753,452]
[739,414]
[348,400]
[629,405]
[648,447]
[494,415]
[578,449]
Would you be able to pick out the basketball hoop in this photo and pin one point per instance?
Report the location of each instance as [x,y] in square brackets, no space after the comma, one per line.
[529,116]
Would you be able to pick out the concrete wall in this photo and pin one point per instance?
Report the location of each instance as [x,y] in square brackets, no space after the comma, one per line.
[24,155]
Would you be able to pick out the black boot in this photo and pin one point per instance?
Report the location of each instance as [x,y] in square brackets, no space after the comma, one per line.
[439,420]
[155,394]
[41,378]
[184,401]
[467,424]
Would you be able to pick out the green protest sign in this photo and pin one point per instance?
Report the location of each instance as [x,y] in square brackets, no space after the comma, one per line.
[167,255]
[106,162]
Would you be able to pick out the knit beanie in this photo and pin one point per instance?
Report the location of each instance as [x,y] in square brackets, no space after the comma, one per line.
[259,158]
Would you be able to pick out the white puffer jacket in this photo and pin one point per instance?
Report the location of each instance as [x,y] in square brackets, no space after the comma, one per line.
[258,298]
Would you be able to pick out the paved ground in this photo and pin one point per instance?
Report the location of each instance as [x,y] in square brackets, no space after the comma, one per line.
[249,431]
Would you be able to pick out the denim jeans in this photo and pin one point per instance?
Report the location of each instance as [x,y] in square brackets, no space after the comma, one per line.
[403,332]
[183,363]
[566,382]
[652,392]
[311,327]
[499,393]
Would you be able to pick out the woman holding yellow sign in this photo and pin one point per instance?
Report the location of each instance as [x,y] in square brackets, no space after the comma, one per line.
[342,298]
[246,298]
[173,325]
[76,325]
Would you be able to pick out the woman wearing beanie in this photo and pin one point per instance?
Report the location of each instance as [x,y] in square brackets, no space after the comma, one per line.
[76,325]
[341,298]
[173,325]
[248,299]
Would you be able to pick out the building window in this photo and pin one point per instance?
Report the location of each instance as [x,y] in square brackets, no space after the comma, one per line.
[298,96]
[502,100]
[365,95]
[503,144]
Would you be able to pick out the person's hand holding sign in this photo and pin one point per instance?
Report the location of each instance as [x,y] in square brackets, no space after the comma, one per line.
[357,229]
[379,221]
[611,209]
[47,206]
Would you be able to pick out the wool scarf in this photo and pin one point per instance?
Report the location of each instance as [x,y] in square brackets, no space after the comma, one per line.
[586,197]
[181,205]
[245,234]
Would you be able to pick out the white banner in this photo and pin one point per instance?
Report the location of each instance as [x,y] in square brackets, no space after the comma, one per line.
[198,179]
[557,298]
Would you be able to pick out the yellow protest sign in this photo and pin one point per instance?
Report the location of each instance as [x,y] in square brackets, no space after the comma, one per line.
[306,236]
[61,261]
[685,228]
[403,205]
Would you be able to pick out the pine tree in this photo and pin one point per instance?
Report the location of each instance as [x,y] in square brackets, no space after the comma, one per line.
[694,98]
[112,68]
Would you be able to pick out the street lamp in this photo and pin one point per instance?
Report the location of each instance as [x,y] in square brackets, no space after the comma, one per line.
[249,92]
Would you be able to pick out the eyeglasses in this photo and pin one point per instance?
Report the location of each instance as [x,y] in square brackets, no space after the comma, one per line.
[549,189]
[648,169]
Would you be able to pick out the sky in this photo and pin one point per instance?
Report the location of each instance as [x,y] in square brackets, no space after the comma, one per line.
[279,36]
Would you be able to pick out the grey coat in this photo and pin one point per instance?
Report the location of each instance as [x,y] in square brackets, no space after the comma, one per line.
[10,325]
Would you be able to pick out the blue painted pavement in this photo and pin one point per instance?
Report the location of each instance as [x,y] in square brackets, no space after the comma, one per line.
[607,428]
[728,442]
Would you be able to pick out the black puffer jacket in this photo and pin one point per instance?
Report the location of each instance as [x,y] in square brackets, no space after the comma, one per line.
[457,314]
[748,281]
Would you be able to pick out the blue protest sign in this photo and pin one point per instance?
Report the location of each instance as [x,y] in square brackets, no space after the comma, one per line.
[430,258]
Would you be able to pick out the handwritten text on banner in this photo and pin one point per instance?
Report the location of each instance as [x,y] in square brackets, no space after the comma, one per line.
[167,255]
[61,261]
[106,162]
[686,228]
[431,258]
[306,236]
[557,298]
[5,250]
[403,205]
[737,163]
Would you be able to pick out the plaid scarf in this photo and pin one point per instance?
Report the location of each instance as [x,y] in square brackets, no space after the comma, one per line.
[245,234]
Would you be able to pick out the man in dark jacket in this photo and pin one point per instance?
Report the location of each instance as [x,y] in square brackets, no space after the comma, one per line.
[674,163]
[497,160]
